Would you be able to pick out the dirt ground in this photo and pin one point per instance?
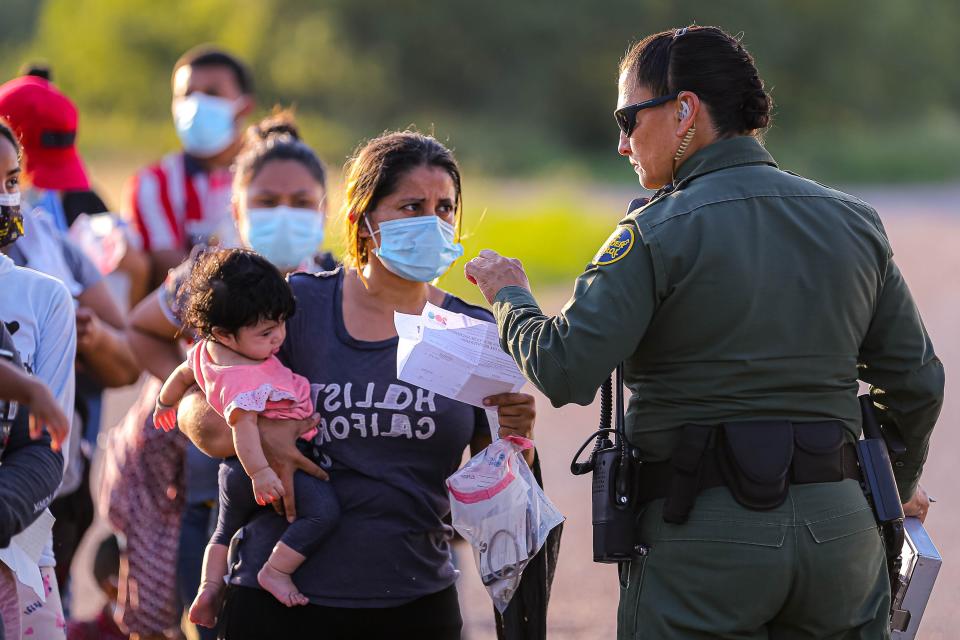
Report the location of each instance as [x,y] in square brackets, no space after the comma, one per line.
[924,226]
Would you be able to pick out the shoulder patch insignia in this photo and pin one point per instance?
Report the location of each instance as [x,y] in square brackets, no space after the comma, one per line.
[616,247]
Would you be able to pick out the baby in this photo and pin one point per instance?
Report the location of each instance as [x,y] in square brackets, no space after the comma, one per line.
[237,302]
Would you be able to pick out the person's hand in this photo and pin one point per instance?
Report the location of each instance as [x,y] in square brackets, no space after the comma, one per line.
[164,417]
[491,272]
[278,439]
[90,329]
[516,413]
[266,486]
[918,505]
[45,413]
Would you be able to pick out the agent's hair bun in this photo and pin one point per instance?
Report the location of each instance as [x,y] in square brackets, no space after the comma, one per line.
[756,108]
[710,63]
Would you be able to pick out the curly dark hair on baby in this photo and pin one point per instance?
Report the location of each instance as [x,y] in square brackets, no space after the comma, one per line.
[233,288]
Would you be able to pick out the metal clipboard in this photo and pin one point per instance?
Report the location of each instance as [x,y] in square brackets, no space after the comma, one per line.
[921,564]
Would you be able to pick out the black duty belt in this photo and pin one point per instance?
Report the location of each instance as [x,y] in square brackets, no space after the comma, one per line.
[653,478]
[757,461]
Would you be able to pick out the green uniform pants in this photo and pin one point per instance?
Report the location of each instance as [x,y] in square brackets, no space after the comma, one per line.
[812,568]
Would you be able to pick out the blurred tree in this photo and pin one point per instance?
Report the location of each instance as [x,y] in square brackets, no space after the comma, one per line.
[515,85]
[116,55]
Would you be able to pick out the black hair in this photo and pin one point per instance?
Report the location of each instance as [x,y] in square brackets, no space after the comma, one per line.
[710,63]
[106,561]
[376,167]
[206,55]
[276,137]
[7,132]
[233,288]
[37,70]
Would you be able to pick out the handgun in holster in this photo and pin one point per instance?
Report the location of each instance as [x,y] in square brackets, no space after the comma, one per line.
[610,462]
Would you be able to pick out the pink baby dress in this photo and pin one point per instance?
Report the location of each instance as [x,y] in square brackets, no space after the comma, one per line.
[267,387]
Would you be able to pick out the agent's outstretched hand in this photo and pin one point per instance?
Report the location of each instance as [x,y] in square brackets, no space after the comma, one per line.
[491,272]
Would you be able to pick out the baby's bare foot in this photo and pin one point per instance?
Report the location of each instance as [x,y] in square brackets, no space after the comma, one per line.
[281,586]
[204,609]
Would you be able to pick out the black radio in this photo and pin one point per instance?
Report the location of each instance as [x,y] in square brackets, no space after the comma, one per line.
[612,496]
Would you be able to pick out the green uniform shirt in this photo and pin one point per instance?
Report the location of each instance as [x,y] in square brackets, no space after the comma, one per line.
[746,293]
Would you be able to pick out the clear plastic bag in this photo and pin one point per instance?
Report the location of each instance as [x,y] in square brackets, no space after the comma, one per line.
[498,507]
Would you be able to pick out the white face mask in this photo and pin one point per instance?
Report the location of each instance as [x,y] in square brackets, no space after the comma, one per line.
[419,249]
[10,199]
[205,124]
[284,235]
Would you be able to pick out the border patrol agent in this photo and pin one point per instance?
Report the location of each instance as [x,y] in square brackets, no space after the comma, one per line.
[745,302]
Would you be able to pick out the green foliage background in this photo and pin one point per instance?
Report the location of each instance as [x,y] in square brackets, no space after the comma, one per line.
[865,90]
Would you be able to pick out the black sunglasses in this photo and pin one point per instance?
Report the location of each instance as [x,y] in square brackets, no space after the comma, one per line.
[626,117]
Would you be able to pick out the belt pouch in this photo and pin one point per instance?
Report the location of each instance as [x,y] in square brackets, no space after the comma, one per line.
[754,458]
[687,462]
[817,456]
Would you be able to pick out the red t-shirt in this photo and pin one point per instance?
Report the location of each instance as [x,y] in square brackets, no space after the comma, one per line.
[176,204]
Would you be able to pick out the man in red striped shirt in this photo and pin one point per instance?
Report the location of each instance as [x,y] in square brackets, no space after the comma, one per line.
[184,199]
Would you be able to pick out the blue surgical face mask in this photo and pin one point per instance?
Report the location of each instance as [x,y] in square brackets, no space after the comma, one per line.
[419,249]
[283,235]
[205,124]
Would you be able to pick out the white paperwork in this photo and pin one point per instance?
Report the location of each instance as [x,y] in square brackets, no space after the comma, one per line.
[25,550]
[455,356]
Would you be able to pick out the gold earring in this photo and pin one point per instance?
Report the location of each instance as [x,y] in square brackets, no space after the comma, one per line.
[685,142]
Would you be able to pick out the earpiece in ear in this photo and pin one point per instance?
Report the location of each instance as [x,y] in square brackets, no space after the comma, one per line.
[684,110]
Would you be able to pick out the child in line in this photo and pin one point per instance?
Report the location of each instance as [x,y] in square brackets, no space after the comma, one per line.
[237,302]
